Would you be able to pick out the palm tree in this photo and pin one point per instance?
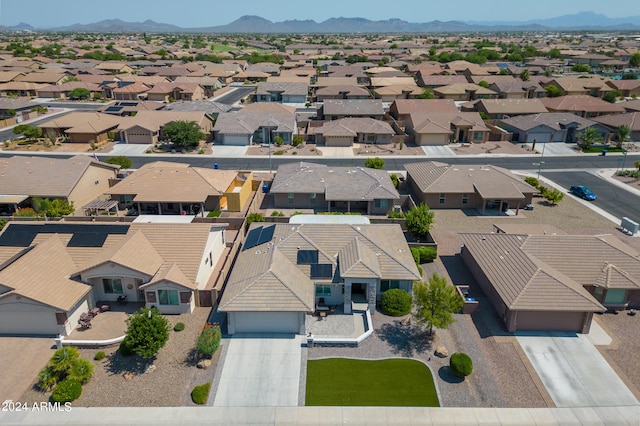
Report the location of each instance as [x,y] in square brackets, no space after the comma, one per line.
[622,135]
[589,137]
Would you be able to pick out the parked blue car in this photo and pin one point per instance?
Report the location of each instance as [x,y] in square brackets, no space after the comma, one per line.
[583,192]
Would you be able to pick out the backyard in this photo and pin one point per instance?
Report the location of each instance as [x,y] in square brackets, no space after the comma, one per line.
[389,382]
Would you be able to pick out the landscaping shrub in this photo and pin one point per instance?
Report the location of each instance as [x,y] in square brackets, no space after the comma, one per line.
[81,371]
[63,359]
[396,302]
[214,213]
[66,391]
[276,213]
[394,179]
[254,217]
[395,215]
[47,378]
[374,163]
[461,364]
[125,348]
[424,254]
[209,341]
[179,326]
[532,181]
[99,356]
[200,393]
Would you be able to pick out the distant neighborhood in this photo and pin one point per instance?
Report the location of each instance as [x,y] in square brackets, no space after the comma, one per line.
[428,206]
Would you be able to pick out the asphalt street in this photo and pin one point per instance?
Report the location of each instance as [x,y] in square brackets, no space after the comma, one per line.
[611,198]
[234,96]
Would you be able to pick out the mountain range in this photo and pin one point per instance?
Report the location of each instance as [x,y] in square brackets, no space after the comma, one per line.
[257,24]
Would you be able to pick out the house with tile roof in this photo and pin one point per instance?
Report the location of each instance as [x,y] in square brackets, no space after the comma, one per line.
[553,282]
[550,127]
[334,109]
[503,108]
[444,186]
[285,92]
[259,122]
[323,188]
[582,105]
[78,180]
[146,126]
[614,121]
[347,131]
[81,126]
[166,92]
[443,128]
[50,273]
[176,188]
[284,271]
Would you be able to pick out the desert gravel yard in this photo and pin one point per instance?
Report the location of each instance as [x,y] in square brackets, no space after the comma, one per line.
[123,382]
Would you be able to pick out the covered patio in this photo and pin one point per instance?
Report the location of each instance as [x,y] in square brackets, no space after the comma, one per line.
[106,325]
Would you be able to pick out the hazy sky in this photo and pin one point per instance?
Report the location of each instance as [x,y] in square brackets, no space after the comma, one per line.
[202,13]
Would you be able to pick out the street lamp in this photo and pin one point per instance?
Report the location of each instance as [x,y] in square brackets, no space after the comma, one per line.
[624,159]
[541,158]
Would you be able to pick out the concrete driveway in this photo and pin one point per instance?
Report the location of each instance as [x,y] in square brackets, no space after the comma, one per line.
[573,371]
[21,358]
[129,149]
[260,371]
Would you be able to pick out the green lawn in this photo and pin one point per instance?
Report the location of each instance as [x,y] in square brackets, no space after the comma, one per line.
[390,382]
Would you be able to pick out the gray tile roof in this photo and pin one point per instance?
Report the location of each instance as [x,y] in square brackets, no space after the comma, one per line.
[353,107]
[352,126]
[337,183]
[266,88]
[267,277]
[553,120]
[244,123]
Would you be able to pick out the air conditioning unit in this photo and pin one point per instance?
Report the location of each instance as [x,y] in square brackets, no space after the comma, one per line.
[397,209]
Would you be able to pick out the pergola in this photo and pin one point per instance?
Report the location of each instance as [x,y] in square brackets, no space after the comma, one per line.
[100,205]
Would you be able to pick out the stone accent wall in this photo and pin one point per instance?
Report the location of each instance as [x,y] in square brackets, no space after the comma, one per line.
[371,298]
[347,298]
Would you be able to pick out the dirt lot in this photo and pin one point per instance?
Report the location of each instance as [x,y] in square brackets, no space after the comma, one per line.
[128,382]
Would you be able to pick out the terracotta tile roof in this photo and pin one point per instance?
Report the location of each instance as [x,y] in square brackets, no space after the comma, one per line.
[631,120]
[440,122]
[44,177]
[171,273]
[173,183]
[512,106]
[489,181]
[82,122]
[522,281]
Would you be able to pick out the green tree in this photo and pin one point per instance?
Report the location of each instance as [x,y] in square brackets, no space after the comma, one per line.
[426,94]
[374,163]
[435,302]
[622,135]
[209,341]
[79,93]
[553,91]
[52,208]
[554,196]
[147,332]
[120,160]
[28,131]
[483,83]
[580,68]
[524,75]
[589,137]
[419,220]
[636,165]
[612,96]
[183,133]
[634,60]
[629,76]
[297,140]
[554,53]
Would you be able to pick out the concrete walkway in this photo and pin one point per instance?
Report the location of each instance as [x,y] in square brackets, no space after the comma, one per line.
[573,371]
[260,372]
[324,416]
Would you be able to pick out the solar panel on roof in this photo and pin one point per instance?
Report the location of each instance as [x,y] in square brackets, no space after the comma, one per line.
[252,238]
[88,239]
[266,235]
[113,109]
[307,257]
[321,270]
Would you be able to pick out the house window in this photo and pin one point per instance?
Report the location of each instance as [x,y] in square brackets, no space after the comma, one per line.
[597,293]
[477,136]
[389,284]
[380,204]
[615,296]
[465,198]
[112,285]
[168,297]
[323,290]
[126,198]
[290,198]
[443,198]
[313,198]
[371,138]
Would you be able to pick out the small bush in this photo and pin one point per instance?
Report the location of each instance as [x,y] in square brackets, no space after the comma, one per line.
[396,302]
[276,213]
[199,394]
[461,364]
[47,378]
[424,254]
[209,341]
[179,326]
[532,181]
[395,215]
[99,356]
[66,391]
[279,152]
[254,217]
[214,213]
[394,179]
[125,348]
[63,359]
[201,151]
[81,371]
[374,163]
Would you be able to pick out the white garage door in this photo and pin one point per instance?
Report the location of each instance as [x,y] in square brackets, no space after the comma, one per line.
[239,140]
[539,137]
[267,322]
[28,323]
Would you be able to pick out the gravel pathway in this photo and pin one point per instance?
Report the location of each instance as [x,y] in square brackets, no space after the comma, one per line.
[168,383]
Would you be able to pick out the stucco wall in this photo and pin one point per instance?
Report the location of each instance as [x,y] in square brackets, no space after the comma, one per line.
[87,189]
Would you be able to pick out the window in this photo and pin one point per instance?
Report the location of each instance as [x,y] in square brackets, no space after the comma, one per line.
[380,204]
[443,198]
[389,284]
[168,297]
[477,136]
[323,290]
[615,296]
[112,285]
[465,198]
[127,198]
[597,293]
[290,198]
[371,138]
[313,198]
